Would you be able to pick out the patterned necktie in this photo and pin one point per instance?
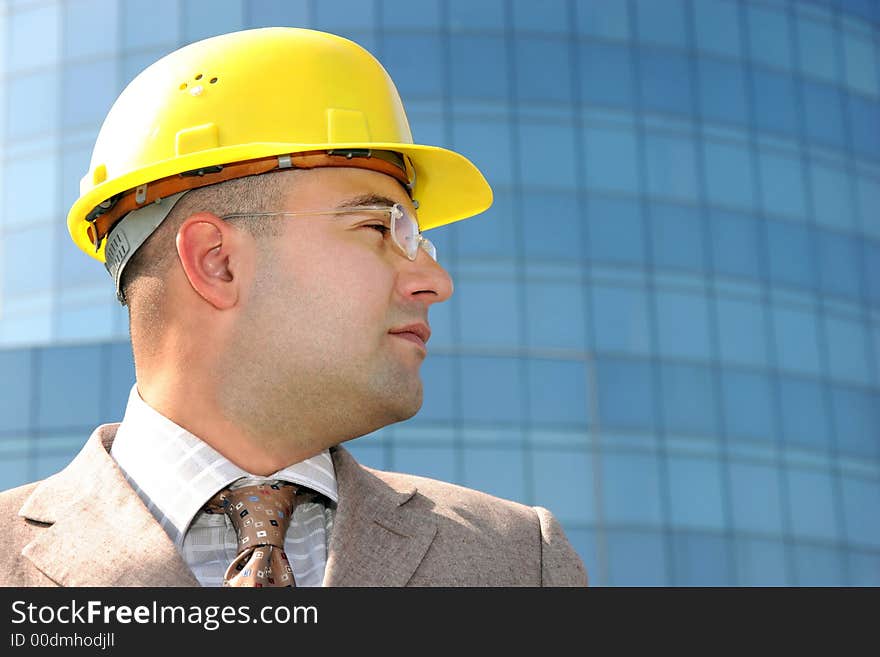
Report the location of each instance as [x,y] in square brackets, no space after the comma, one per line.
[261,515]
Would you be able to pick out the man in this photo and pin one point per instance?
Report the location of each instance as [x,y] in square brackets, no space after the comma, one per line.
[258,200]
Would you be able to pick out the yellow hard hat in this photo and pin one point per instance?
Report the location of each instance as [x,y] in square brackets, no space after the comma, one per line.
[255,101]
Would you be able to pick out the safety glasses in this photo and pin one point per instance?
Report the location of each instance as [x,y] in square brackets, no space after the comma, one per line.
[404,228]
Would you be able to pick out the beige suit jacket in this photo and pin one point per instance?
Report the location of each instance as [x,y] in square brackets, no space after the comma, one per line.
[86,526]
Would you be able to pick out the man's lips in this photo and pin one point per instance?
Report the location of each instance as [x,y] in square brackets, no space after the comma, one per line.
[418,333]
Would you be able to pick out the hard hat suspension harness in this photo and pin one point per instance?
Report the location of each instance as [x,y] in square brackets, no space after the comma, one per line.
[106,215]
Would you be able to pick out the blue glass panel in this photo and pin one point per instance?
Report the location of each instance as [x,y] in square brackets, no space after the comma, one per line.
[626,393]
[776,107]
[861,499]
[63,369]
[695,493]
[701,559]
[804,412]
[49,464]
[406,14]
[433,462]
[755,497]
[864,568]
[584,543]
[636,558]
[671,167]
[33,105]
[470,15]
[615,231]
[631,488]
[492,234]
[860,60]
[148,23]
[205,18]
[832,197]
[611,159]
[735,244]
[15,470]
[603,19]
[760,562]
[662,22]
[491,390]
[438,375]
[683,325]
[479,67]
[811,501]
[769,36]
[540,15]
[823,111]
[552,226]
[748,405]
[848,356]
[797,341]
[88,91]
[555,315]
[729,177]
[84,20]
[543,144]
[295,13]
[716,26]
[419,76]
[30,178]
[867,9]
[688,399]
[534,59]
[498,472]
[857,421]
[347,14]
[742,332]
[25,271]
[558,392]
[121,377]
[372,455]
[818,566]
[677,236]
[864,117]
[816,45]
[605,74]
[16,377]
[487,144]
[620,319]
[564,484]
[722,90]
[34,37]
[791,254]
[782,185]
[486,304]
[868,191]
[871,254]
[666,82]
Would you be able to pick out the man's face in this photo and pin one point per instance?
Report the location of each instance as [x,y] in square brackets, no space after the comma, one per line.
[317,323]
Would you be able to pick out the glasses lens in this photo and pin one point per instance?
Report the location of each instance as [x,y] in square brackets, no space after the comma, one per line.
[406,231]
[429,248]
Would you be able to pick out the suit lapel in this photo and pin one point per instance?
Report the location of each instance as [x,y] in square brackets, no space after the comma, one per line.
[377,539]
[100,532]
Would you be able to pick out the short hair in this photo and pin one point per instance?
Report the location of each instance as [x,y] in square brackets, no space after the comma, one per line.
[144,278]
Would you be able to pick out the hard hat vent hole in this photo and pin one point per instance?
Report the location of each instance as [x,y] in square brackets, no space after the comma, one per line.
[198,76]
[213,80]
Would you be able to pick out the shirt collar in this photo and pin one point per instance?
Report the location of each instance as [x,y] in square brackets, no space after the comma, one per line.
[175,472]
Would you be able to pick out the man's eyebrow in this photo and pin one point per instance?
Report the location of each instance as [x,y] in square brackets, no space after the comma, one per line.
[366,199]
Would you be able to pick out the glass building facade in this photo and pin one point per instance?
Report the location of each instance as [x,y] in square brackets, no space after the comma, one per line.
[666,329]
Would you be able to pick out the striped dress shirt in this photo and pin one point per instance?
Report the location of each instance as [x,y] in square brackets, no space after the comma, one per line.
[175,474]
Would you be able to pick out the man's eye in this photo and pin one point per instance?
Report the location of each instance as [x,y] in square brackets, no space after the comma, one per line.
[382,228]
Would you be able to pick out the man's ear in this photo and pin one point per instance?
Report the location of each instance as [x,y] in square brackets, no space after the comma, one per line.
[208,249]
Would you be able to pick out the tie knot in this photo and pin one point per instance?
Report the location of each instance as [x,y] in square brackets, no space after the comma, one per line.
[260,514]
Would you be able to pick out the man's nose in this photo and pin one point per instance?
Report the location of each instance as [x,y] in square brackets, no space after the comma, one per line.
[425,279]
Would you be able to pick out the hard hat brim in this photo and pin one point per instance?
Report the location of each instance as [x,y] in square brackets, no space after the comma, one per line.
[448,186]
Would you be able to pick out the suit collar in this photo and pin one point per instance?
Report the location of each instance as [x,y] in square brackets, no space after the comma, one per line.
[380,536]
[94,512]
